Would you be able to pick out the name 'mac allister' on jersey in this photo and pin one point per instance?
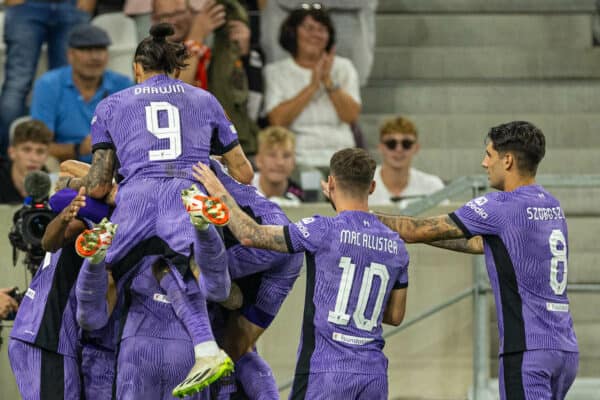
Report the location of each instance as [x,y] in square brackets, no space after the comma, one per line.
[353,263]
[161,127]
[526,251]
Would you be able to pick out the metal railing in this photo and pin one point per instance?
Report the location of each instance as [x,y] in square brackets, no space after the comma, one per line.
[478,184]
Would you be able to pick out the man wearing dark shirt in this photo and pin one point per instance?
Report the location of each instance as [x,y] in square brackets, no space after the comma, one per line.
[28,151]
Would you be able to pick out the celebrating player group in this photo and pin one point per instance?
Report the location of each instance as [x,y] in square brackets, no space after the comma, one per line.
[165,266]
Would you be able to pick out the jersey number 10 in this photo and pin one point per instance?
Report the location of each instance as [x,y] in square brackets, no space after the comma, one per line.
[339,315]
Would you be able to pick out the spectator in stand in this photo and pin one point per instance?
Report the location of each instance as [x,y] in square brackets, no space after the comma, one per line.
[275,161]
[192,26]
[27,25]
[354,20]
[65,98]
[396,181]
[314,92]
[28,151]
[235,73]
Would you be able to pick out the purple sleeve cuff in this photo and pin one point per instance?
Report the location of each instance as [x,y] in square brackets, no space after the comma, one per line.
[94,209]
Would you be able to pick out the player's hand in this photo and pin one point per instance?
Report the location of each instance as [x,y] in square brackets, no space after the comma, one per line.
[70,212]
[7,303]
[239,33]
[209,180]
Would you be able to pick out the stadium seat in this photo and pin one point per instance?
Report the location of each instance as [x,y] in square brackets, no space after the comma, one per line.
[122,32]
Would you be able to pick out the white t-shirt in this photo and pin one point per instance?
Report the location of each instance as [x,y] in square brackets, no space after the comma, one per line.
[319,131]
[419,184]
[288,198]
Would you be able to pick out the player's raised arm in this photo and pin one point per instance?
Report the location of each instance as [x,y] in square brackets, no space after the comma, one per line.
[244,228]
[98,181]
[420,230]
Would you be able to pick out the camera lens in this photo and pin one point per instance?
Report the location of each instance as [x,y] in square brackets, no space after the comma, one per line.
[38,224]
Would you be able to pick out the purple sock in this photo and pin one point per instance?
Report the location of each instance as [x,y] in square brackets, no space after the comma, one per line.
[190,308]
[90,290]
[211,257]
[256,377]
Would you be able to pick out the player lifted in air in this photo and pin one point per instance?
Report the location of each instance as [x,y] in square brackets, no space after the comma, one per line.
[151,134]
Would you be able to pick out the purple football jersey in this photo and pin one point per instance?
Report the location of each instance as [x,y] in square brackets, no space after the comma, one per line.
[161,127]
[353,263]
[526,250]
[46,316]
[244,261]
[150,313]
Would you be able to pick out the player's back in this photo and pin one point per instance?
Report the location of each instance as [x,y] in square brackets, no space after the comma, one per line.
[527,258]
[536,238]
[161,127]
[353,263]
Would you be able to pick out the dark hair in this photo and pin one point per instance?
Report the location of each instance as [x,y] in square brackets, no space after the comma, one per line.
[353,169]
[32,131]
[156,53]
[524,140]
[288,34]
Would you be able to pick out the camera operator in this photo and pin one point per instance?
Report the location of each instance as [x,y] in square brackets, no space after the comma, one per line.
[28,151]
[8,305]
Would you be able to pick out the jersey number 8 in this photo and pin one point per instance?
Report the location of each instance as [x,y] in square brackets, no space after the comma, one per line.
[559,255]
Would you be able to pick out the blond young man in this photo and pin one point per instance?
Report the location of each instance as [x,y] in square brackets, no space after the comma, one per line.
[396,179]
[275,161]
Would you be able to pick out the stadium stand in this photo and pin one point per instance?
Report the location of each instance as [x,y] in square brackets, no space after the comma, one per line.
[122,32]
[457,67]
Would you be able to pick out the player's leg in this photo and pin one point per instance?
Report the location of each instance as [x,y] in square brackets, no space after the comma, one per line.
[189,305]
[370,387]
[564,374]
[322,386]
[133,221]
[256,377]
[209,249]
[138,370]
[98,372]
[525,376]
[41,374]
[25,361]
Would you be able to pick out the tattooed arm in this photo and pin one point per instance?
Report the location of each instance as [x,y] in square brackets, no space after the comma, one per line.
[244,228]
[471,246]
[98,181]
[418,230]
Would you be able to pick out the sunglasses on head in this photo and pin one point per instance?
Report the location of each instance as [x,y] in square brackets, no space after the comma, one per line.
[391,144]
[311,6]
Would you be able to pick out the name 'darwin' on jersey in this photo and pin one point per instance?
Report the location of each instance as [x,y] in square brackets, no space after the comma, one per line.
[160,89]
[367,241]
